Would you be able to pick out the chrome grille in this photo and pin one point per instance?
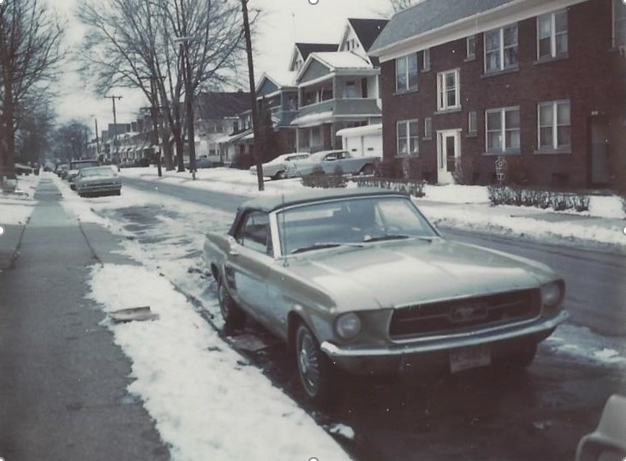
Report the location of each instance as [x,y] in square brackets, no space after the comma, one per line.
[459,314]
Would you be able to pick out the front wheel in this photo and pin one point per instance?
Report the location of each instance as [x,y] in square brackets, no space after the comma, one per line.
[314,367]
[279,175]
[231,313]
[367,170]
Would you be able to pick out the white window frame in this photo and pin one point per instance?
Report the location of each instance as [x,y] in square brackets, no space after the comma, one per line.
[472,122]
[426,60]
[501,49]
[554,126]
[442,90]
[553,35]
[407,75]
[428,128]
[504,149]
[468,54]
[614,21]
[407,124]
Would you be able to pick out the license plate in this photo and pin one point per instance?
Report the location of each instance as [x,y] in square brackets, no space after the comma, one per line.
[469,357]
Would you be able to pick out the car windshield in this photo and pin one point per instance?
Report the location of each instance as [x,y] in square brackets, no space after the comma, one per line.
[349,222]
[102,171]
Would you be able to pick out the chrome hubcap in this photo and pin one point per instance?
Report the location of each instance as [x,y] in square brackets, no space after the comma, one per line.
[309,364]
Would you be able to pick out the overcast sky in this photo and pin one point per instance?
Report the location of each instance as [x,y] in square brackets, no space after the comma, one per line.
[283,23]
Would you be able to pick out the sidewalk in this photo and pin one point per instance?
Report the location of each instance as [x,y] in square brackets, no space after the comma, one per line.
[63,383]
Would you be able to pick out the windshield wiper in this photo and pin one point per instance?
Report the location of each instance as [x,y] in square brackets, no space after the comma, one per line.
[380,238]
[320,246]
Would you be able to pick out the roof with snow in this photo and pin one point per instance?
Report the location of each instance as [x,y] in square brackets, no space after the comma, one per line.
[429,15]
[341,60]
[367,30]
[217,105]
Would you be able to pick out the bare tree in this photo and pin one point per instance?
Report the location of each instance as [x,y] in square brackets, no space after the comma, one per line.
[132,43]
[33,136]
[30,37]
[70,141]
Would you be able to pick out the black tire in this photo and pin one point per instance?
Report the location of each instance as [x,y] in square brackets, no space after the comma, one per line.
[279,175]
[232,314]
[367,170]
[314,367]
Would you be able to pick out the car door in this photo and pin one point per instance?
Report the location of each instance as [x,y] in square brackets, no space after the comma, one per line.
[248,263]
[330,162]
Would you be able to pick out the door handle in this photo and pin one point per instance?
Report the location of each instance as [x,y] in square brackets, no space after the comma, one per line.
[233,252]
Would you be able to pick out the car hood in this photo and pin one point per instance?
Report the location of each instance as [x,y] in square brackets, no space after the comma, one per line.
[390,274]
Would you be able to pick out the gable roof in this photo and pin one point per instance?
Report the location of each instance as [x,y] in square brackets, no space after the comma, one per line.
[367,30]
[430,15]
[306,49]
[217,105]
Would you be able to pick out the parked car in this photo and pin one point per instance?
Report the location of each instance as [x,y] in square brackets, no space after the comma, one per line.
[62,170]
[76,166]
[203,162]
[360,280]
[22,169]
[277,168]
[100,180]
[331,161]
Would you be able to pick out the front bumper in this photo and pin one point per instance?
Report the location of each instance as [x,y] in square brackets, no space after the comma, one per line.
[433,354]
[99,188]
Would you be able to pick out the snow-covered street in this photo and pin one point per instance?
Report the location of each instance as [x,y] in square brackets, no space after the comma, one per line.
[175,375]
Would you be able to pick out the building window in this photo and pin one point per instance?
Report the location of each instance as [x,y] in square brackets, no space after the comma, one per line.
[552,35]
[350,90]
[426,60]
[472,126]
[406,73]
[407,138]
[619,23]
[448,90]
[502,130]
[471,47]
[501,49]
[554,125]
[428,128]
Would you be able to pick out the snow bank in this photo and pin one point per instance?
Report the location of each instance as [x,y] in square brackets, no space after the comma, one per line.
[16,208]
[206,401]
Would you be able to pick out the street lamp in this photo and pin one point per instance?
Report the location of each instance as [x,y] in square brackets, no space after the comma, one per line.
[184,51]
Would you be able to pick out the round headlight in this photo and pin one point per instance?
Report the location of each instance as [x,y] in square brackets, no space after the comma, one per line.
[551,294]
[348,325]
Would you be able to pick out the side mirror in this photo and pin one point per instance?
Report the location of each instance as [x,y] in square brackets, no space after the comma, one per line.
[608,441]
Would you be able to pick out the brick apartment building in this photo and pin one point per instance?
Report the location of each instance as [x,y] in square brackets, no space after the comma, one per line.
[541,83]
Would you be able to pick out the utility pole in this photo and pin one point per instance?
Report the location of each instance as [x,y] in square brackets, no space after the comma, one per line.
[116,154]
[97,141]
[255,116]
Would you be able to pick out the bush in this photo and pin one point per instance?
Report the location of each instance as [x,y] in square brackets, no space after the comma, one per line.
[414,188]
[559,201]
[318,179]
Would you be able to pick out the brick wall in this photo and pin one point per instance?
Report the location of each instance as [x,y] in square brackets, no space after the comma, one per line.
[592,77]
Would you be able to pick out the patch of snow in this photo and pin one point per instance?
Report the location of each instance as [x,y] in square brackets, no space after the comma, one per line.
[453,193]
[607,207]
[205,403]
[582,344]
[342,430]
[17,207]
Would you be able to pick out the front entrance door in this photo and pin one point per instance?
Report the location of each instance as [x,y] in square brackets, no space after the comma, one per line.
[599,151]
[448,151]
